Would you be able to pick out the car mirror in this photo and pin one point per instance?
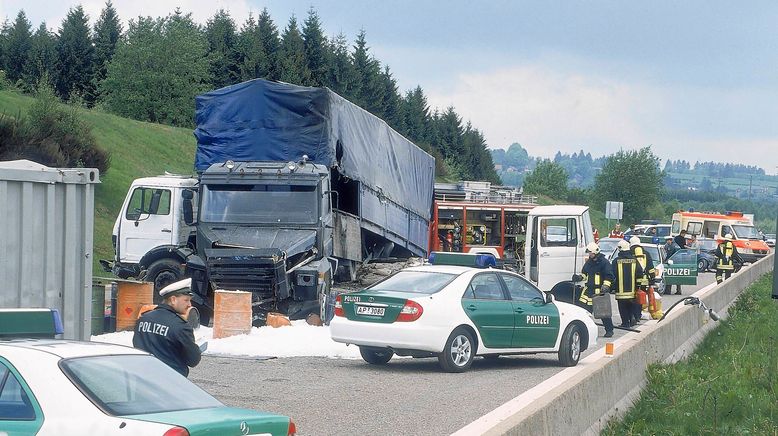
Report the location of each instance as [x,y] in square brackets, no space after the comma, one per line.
[670,261]
[549,297]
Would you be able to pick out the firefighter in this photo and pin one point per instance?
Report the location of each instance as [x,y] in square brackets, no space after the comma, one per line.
[649,273]
[727,254]
[598,277]
[626,271]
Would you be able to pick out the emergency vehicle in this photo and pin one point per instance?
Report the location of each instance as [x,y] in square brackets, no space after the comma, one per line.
[473,217]
[716,225]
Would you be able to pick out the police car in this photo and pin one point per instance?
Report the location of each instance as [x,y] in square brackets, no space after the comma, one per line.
[51,386]
[455,308]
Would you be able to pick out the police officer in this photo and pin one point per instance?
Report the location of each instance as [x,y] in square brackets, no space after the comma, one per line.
[626,271]
[727,254]
[598,276]
[649,273]
[165,334]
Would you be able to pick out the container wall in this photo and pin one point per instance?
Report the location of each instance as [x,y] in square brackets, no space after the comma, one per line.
[46,231]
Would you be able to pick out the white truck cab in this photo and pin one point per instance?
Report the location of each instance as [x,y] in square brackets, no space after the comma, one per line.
[557,237]
[150,228]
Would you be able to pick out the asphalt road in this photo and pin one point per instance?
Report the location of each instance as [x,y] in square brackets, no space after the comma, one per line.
[406,397]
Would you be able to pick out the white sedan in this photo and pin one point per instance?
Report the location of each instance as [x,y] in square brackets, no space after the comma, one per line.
[455,313]
[57,387]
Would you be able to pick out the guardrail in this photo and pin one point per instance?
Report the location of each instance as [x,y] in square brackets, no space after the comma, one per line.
[581,399]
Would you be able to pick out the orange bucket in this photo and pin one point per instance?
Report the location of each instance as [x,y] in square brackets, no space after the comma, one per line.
[278,320]
[642,298]
[132,296]
[231,313]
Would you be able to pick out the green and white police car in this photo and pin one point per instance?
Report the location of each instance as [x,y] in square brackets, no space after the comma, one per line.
[458,307]
[59,387]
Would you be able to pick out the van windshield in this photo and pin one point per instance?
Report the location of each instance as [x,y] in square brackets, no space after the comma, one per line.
[745,232]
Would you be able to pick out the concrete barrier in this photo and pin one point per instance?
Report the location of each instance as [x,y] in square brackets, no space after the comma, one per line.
[581,399]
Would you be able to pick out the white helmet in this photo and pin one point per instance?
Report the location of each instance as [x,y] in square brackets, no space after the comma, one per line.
[623,245]
[634,241]
[593,248]
[728,236]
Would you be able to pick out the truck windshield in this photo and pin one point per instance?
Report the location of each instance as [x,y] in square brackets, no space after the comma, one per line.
[292,204]
[745,232]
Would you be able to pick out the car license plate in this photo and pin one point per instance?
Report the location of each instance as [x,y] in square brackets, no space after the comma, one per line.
[370,310]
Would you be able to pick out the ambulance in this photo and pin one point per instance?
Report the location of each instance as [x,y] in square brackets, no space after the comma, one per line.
[715,225]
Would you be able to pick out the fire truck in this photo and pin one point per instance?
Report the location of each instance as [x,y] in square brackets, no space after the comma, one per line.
[715,225]
[474,217]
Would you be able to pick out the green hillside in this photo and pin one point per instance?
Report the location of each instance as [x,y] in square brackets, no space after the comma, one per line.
[137,149]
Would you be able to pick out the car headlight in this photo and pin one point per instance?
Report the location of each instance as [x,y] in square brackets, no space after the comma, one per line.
[746,250]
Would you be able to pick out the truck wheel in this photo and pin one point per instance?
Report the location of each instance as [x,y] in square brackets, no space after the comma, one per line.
[162,273]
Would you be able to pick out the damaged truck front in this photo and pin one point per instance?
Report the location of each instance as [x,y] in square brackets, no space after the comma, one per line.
[297,185]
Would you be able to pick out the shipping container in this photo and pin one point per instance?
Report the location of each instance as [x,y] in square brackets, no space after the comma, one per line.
[46,231]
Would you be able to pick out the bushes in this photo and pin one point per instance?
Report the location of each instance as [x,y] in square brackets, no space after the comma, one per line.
[52,135]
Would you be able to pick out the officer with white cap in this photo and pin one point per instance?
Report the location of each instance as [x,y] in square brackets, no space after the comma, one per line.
[164,332]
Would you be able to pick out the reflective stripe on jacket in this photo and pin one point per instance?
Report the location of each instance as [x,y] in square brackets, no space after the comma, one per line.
[725,252]
[596,273]
[627,270]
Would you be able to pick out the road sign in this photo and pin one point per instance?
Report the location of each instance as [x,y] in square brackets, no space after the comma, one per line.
[613,210]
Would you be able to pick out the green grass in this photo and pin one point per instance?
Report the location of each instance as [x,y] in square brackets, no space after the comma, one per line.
[728,386]
[137,149]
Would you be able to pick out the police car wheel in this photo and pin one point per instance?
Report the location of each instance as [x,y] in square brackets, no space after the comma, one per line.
[457,355]
[376,356]
[570,346]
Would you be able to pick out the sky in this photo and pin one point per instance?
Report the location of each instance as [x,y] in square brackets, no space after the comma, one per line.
[696,80]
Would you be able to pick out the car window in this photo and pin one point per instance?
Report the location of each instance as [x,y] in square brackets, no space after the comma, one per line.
[422,282]
[153,201]
[135,384]
[684,256]
[14,403]
[663,231]
[520,289]
[485,287]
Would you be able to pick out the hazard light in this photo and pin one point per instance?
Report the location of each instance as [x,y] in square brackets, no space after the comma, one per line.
[482,260]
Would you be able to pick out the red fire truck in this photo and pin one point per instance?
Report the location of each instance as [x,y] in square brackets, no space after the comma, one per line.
[470,218]
[716,225]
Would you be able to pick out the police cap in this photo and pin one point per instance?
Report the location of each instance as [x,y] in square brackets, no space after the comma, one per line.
[182,287]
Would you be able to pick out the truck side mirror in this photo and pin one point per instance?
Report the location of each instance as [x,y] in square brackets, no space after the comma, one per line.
[188,195]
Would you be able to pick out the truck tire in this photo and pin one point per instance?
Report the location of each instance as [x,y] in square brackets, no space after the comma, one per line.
[162,273]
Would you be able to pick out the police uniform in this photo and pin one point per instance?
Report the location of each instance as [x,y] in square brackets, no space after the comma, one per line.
[163,333]
[596,273]
[626,270]
[727,254]
[645,280]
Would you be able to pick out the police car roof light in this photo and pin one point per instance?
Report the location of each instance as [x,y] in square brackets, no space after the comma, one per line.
[58,328]
[482,260]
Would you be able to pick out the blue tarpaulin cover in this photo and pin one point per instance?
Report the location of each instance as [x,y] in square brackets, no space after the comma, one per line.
[261,120]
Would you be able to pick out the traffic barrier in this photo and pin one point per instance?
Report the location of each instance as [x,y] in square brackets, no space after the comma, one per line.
[131,297]
[231,314]
[609,386]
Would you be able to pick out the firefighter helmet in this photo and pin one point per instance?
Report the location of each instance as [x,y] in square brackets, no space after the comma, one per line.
[634,241]
[728,236]
[623,245]
[593,248]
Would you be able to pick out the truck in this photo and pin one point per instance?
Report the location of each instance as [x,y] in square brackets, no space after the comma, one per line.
[295,186]
[716,225]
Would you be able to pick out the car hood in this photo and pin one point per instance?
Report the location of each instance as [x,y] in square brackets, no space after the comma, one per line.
[291,241]
[225,421]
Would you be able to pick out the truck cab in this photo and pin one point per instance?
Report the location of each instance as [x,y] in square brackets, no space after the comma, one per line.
[557,237]
[149,225]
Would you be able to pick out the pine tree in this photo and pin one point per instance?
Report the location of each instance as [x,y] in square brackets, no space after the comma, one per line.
[18,47]
[417,115]
[341,75]
[42,56]
[108,31]
[271,46]
[293,67]
[251,54]
[222,49]
[75,58]
[5,29]
[391,103]
[315,48]
[371,92]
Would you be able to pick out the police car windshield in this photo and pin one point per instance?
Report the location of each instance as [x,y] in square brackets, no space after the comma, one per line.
[124,385]
[421,282]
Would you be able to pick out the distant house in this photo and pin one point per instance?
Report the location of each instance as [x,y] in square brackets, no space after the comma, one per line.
[498,167]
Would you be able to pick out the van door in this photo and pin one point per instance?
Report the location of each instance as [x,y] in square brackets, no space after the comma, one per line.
[558,246]
[146,222]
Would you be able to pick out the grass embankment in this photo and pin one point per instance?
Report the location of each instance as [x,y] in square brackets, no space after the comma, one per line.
[728,386]
[137,150]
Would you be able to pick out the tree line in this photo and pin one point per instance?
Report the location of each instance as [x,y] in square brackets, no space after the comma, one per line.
[153,70]
[713,169]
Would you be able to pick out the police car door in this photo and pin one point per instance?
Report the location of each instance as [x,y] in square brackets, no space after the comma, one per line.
[681,268]
[537,322]
[488,307]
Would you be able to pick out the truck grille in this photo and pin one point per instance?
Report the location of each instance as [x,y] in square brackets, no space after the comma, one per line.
[241,270]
